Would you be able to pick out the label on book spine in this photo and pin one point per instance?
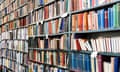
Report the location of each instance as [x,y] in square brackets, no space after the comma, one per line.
[94,54]
[46,36]
[41,21]
[64,15]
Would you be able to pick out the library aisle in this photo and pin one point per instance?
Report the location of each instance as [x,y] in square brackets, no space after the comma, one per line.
[60,36]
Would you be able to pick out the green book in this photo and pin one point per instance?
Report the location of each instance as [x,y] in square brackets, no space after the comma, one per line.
[118,14]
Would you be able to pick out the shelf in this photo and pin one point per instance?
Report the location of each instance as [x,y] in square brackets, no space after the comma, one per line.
[45,20]
[61,67]
[99,53]
[48,49]
[49,35]
[96,7]
[9,59]
[14,10]
[13,40]
[8,68]
[25,65]
[15,50]
[8,4]
[14,19]
[59,34]
[97,31]
[52,18]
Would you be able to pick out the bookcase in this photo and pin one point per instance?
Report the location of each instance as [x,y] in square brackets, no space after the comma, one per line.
[13,35]
[60,35]
[74,36]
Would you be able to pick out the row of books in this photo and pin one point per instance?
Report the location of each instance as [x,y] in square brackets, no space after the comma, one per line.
[12,5]
[8,63]
[85,4]
[18,45]
[13,25]
[13,55]
[53,58]
[61,43]
[20,33]
[15,67]
[41,68]
[56,9]
[63,6]
[14,15]
[36,16]
[96,20]
[50,27]
[100,44]
[8,54]
[38,3]
[99,63]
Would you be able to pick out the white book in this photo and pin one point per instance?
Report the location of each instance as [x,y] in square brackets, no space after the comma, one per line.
[106,66]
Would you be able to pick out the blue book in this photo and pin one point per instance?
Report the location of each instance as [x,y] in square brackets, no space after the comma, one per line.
[88,63]
[80,64]
[46,43]
[41,2]
[73,61]
[112,24]
[116,64]
[102,19]
[96,2]
[62,25]
[35,68]
[68,43]
[99,19]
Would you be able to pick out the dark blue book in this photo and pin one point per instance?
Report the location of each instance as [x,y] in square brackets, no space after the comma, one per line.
[62,25]
[87,63]
[41,2]
[116,64]
[46,43]
[80,62]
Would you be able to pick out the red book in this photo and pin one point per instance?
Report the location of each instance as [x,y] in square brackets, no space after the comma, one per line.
[100,63]
[75,5]
[46,12]
[80,21]
[24,21]
[74,22]
[93,3]
[35,55]
[39,46]
[51,58]
[106,19]
[80,4]
[78,45]
[63,59]
[85,21]
[72,5]
[50,27]
[57,25]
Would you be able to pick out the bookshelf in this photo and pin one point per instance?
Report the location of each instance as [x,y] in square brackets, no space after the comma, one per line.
[13,33]
[73,35]
[60,35]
